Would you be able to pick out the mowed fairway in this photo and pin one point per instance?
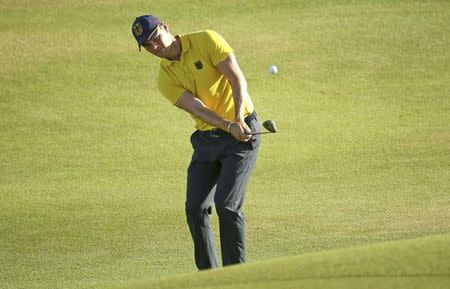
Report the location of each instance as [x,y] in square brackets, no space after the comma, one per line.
[93,159]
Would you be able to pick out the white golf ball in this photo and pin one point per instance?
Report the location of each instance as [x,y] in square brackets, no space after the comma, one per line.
[272,69]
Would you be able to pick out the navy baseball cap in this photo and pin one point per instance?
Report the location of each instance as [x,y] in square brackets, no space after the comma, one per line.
[143,27]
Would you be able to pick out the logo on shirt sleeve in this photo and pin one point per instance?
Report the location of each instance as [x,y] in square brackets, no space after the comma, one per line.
[198,65]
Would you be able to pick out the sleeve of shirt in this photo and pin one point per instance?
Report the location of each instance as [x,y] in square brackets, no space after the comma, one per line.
[169,87]
[217,47]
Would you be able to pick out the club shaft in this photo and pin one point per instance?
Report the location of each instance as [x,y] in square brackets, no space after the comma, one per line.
[262,132]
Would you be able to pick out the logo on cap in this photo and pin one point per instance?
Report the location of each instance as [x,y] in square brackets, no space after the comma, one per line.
[137,29]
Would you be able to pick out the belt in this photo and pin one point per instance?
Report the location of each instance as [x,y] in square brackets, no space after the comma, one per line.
[217,132]
[250,117]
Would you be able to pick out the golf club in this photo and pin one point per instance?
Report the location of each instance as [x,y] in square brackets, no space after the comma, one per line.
[269,125]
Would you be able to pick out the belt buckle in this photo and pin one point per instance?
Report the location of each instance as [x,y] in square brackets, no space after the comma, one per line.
[215,132]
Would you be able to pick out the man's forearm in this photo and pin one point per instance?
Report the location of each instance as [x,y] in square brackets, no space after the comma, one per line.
[230,68]
[239,94]
[209,116]
[239,130]
[197,108]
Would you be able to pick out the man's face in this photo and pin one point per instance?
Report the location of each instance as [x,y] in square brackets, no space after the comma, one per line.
[159,42]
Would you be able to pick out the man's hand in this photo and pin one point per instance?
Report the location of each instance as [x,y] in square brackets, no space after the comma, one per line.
[240,131]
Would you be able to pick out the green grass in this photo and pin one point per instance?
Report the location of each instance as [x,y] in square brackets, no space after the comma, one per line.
[93,159]
[418,263]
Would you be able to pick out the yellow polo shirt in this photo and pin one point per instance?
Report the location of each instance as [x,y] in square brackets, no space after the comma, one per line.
[195,72]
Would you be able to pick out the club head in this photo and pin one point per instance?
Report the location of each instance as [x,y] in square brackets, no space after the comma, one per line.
[270,126]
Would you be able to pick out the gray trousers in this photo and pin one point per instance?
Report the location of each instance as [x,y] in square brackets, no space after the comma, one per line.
[219,172]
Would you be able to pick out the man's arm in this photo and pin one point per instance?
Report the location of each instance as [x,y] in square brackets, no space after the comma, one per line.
[196,107]
[230,68]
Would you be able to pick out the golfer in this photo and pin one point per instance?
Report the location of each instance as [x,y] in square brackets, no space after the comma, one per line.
[199,73]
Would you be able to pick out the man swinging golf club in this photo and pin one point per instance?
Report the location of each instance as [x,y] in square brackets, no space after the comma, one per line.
[199,74]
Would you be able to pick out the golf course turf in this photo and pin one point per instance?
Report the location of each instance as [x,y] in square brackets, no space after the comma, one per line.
[93,159]
[418,263]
